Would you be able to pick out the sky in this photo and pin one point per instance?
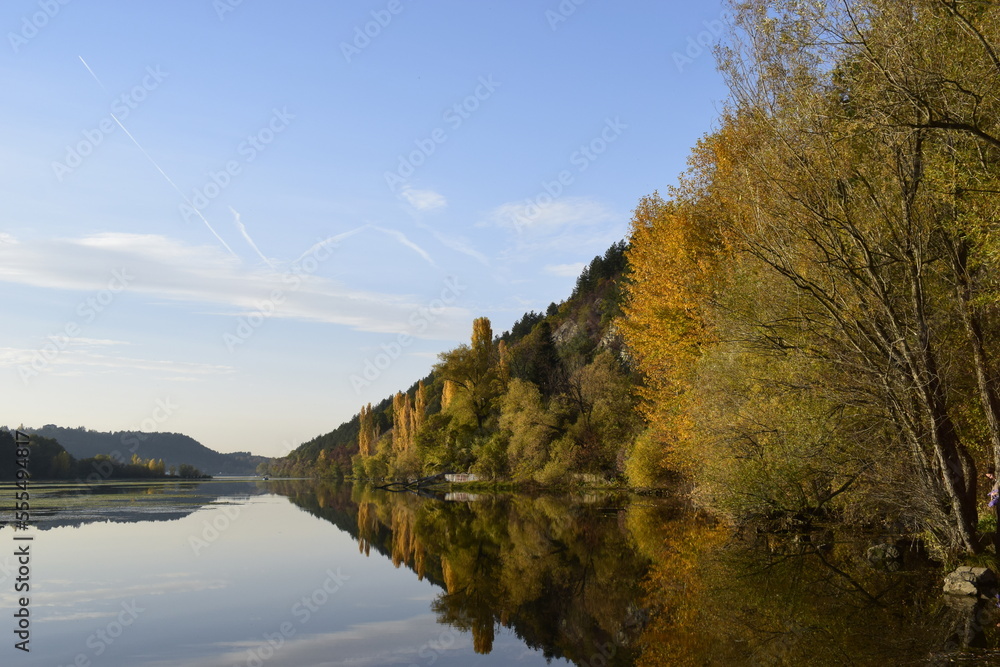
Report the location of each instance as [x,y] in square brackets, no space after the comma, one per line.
[242,219]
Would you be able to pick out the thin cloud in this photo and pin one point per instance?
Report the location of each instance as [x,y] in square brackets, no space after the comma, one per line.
[458,245]
[331,241]
[565,270]
[246,236]
[165,269]
[79,358]
[424,200]
[160,169]
[528,216]
[401,237]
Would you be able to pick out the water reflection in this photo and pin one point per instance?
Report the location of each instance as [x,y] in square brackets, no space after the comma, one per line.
[366,577]
[55,505]
[558,571]
[602,580]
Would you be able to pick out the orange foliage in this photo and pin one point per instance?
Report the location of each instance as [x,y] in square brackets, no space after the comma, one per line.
[670,257]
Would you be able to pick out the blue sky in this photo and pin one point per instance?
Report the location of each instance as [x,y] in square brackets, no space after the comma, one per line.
[243,220]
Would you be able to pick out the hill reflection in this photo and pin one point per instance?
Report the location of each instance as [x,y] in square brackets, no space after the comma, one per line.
[608,580]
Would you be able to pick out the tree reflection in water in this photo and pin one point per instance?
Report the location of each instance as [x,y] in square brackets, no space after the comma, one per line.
[608,580]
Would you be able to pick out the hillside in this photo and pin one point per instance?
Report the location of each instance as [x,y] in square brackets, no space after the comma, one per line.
[551,353]
[173,448]
[45,459]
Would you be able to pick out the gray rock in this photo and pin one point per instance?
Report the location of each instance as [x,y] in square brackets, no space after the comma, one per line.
[968,580]
[565,333]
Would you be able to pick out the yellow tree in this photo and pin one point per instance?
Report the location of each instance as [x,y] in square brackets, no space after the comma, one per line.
[503,356]
[854,196]
[366,433]
[402,410]
[447,394]
[419,407]
[664,325]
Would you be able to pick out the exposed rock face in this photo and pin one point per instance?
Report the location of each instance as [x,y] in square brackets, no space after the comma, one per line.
[565,333]
[968,580]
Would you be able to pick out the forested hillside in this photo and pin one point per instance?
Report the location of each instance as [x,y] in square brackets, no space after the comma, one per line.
[810,316]
[175,449]
[546,399]
[48,460]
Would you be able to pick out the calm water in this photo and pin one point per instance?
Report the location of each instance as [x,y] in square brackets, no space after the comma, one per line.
[245,573]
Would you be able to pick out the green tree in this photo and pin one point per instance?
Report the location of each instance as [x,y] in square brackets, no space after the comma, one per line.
[475,371]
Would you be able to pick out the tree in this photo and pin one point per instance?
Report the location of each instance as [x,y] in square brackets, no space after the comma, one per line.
[403,421]
[606,418]
[530,428]
[448,390]
[670,255]
[367,432]
[842,115]
[419,407]
[474,370]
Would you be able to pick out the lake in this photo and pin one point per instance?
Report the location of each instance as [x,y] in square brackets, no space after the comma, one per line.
[226,573]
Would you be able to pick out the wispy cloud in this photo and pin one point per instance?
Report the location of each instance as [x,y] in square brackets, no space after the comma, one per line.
[87,356]
[330,241]
[160,169]
[402,238]
[166,269]
[458,244]
[552,216]
[390,642]
[565,270]
[246,236]
[424,200]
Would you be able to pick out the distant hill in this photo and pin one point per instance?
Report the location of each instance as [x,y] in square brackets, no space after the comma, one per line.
[173,448]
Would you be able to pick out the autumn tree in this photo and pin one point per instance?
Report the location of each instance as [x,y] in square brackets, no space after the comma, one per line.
[664,324]
[419,407]
[448,390]
[367,433]
[833,188]
[530,429]
[402,421]
[474,370]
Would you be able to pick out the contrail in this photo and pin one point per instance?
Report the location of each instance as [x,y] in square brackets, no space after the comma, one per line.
[456,244]
[92,73]
[172,184]
[246,235]
[401,237]
[334,240]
